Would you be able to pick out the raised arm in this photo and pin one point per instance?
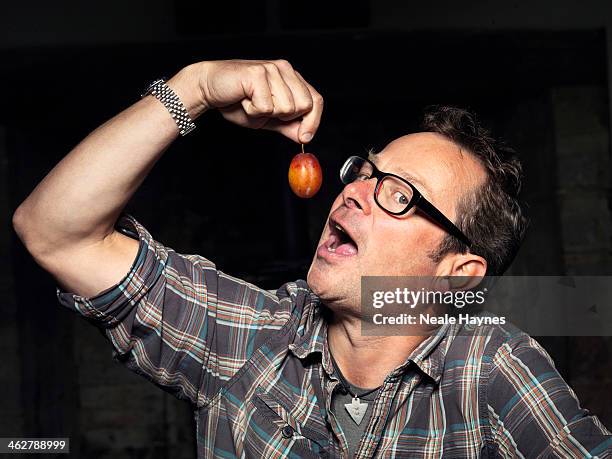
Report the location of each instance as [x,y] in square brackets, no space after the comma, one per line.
[67,222]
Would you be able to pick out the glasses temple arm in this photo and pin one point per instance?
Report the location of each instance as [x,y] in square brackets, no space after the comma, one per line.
[438,216]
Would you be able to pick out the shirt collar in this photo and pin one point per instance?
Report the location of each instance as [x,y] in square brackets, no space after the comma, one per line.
[311,337]
[428,356]
[311,334]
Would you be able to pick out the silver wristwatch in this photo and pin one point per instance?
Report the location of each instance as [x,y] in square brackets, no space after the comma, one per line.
[173,104]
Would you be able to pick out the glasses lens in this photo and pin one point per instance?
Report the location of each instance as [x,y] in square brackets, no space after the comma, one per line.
[393,194]
[355,168]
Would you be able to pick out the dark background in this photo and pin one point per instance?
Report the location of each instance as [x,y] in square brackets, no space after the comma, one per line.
[539,75]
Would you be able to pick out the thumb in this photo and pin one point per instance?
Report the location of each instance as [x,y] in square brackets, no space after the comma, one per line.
[289,129]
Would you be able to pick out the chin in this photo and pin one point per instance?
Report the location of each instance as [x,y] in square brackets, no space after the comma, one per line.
[316,279]
[333,290]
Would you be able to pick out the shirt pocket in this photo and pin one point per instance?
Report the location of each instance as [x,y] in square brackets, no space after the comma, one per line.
[273,432]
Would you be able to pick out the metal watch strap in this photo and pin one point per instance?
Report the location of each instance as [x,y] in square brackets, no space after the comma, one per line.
[173,104]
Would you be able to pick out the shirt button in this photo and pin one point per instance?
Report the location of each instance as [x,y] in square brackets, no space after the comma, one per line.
[287,432]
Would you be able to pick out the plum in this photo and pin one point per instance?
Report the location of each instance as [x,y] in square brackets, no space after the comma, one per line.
[305,175]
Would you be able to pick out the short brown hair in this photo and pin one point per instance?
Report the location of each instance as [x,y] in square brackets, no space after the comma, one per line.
[491,216]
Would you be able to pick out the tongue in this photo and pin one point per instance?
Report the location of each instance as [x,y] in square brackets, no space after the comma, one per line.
[348,248]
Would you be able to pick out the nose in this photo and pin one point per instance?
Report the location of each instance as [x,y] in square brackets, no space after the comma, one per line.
[359,195]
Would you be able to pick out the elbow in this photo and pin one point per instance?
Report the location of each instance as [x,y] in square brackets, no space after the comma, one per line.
[25,228]
[19,222]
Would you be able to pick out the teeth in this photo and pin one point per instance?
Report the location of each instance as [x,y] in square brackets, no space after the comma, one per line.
[330,249]
[339,228]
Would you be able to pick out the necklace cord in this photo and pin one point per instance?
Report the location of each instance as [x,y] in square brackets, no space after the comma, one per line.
[346,387]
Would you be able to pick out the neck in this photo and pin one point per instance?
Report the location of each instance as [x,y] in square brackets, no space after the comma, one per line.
[365,361]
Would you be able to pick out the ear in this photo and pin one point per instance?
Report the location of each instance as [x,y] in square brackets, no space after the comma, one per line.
[467,268]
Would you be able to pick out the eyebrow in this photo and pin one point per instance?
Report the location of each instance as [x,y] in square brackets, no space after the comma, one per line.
[403,173]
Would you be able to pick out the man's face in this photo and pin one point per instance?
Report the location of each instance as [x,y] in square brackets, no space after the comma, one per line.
[380,244]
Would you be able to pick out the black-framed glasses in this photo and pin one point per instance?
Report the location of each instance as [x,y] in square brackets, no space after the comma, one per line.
[396,195]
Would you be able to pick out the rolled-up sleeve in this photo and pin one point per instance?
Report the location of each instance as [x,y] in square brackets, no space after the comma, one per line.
[532,410]
[110,308]
[162,318]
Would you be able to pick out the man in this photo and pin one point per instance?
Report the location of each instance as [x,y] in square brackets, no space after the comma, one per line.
[289,374]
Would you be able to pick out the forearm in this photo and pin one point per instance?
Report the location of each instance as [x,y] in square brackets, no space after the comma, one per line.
[67,221]
[81,198]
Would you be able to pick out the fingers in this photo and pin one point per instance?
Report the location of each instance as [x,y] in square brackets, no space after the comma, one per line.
[282,96]
[258,100]
[274,90]
[312,118]
[307,101]
[301,95]
[289,129]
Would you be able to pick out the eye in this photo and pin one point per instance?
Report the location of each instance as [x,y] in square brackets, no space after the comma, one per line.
[362,176]
[401,198]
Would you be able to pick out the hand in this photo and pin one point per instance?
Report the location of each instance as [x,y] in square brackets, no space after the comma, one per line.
[262,94]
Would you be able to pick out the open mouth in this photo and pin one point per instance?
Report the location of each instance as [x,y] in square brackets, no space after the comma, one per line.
[339,241]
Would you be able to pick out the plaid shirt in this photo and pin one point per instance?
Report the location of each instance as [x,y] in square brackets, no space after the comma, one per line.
[256,367]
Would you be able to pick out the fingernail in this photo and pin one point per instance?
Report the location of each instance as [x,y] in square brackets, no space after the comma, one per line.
[307,137]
